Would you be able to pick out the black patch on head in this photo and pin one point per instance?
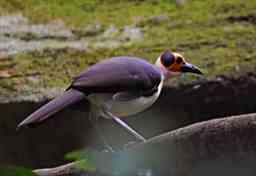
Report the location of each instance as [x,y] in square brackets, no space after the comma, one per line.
[179,60]
[167,58]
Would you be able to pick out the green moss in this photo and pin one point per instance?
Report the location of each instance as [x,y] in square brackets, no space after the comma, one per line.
[200,30]
[82,12]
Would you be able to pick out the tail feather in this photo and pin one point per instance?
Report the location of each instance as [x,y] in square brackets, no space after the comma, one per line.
[67,98]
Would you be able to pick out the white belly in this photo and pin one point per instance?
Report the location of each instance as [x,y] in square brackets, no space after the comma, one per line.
[124,108]
[127,108]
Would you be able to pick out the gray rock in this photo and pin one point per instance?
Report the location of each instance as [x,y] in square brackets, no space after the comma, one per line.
[12,46]
[180,2]
[156,20]
[89,31]
[17,35]
[12,20]
[17,25]
[132,33]
[110,32]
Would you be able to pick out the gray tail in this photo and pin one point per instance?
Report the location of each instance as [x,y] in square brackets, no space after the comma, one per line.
[69,97]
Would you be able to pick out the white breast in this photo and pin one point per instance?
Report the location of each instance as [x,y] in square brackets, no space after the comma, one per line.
[125,108]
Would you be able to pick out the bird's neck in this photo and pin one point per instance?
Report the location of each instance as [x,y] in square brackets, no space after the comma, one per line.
[168,74]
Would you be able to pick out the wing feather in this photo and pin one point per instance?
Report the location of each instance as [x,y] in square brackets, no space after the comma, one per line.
[118,74]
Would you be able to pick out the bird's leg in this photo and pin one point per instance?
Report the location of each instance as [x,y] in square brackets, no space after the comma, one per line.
[94,119]
[127,127]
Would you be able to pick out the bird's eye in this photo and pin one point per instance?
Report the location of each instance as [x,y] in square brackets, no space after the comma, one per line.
[179,60]
[167,59]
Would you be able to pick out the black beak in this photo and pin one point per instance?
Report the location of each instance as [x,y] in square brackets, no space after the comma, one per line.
[187,67]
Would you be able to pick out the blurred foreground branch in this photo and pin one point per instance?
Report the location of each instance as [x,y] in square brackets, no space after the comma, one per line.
[70,169]
[64,170]
[223,146]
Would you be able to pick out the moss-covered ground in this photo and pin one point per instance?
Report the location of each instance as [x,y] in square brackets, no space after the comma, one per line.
[218,36]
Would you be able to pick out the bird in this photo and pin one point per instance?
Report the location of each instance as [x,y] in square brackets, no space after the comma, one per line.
[118,87]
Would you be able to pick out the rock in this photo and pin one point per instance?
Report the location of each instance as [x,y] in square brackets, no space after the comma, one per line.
[132,33]
[89,31]
[157,20]
[106,44]
[221,147]
[110,32]
[180,2]
[114,37]
[12,46]
[224,146]
[12,20]
[17,35]
[18,26]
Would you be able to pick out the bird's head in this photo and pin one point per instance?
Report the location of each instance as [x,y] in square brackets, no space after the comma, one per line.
[174,64]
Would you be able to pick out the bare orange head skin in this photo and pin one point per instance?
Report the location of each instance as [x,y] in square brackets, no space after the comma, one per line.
[178,62]
[173,63]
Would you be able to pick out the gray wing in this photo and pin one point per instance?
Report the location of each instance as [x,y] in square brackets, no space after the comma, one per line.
[119,74]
